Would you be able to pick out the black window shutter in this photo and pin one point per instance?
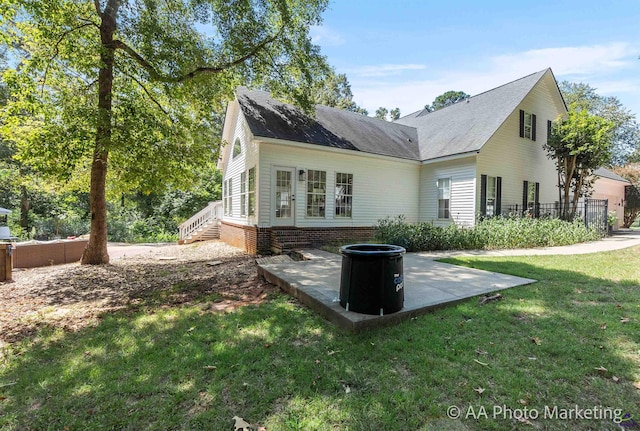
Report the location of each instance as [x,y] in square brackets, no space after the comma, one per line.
[521,123]
[549,125]
[525,193]
[483,195]
[533,127]
[498,207]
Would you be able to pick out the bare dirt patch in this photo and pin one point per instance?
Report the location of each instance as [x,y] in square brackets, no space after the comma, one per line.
[72,296]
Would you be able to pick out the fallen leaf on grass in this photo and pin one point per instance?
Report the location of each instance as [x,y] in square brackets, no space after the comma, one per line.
[210,367]
[241,424]
[479,390]
[536,340]
[347,389]
[603,326]
[523,402]
[615,379]
[481,363]
[636,385]
[624,320]
[333,352]
[481,352]
[601,369]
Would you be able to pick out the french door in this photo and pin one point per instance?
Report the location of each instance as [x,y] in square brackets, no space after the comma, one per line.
[283,213]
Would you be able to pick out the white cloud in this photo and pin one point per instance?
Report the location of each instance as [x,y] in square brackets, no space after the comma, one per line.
[602,66]
[575,60]
[607,87]
[325,36]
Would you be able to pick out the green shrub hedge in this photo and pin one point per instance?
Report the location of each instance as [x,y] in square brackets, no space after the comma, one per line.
[493,233]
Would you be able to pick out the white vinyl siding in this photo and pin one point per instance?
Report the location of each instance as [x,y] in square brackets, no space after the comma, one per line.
[246,158]
[381,186]
[517,160]
[462,182]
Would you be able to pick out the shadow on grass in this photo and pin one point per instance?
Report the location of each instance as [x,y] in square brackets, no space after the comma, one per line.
[279,365]
[74,296]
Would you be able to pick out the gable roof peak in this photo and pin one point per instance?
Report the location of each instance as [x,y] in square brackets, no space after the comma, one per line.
[465,127]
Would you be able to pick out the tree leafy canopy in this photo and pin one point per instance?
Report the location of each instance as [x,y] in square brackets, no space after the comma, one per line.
[626,130]
[335,91]
[579,143]
[446,99]
[127,92]
[387,114]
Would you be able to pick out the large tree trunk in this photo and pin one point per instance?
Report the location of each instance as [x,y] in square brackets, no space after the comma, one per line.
[96,251]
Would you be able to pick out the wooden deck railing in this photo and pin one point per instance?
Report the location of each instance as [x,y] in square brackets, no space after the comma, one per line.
[210,214]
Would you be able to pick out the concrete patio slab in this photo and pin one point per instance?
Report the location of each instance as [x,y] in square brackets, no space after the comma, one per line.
[428,285]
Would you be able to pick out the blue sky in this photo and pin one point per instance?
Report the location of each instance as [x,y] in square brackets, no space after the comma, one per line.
[404,53]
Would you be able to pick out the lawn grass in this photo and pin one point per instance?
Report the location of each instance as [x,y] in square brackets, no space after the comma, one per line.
[572,339]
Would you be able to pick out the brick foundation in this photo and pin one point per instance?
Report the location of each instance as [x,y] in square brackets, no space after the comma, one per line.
[263,240]
[252,239]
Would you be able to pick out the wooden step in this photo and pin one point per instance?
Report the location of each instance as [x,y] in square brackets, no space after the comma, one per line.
[204,234]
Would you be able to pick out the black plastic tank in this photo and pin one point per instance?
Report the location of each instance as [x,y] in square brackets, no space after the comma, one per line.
[372,280]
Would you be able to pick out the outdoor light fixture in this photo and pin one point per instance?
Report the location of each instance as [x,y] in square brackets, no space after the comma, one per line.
[302,174]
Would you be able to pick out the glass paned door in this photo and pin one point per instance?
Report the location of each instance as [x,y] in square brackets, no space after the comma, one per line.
[284,197]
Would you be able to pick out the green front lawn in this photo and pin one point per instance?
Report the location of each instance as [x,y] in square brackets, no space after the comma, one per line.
[570,342]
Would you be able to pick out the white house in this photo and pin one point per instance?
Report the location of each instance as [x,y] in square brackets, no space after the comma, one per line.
[289,179]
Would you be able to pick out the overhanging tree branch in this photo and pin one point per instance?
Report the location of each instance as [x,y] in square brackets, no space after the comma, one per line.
[148,93]
[57,50]
[157,76]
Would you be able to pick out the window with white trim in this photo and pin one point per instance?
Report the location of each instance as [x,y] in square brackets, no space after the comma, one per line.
[230,196]
[527,125]
[252,191]
[237,148]
[444,198]
[531,195]
[225,192]
[316,193]
[243,194]
[491,196]
[344,194]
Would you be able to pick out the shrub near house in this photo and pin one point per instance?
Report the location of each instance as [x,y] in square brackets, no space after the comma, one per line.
[493,233]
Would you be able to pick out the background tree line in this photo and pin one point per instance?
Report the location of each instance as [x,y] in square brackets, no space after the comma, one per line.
[111,110]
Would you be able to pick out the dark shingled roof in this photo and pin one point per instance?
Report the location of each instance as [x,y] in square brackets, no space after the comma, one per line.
[463,127]
[467,125]
[331,127]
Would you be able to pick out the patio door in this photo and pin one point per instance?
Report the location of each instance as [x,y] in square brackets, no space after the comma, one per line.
[283,196]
